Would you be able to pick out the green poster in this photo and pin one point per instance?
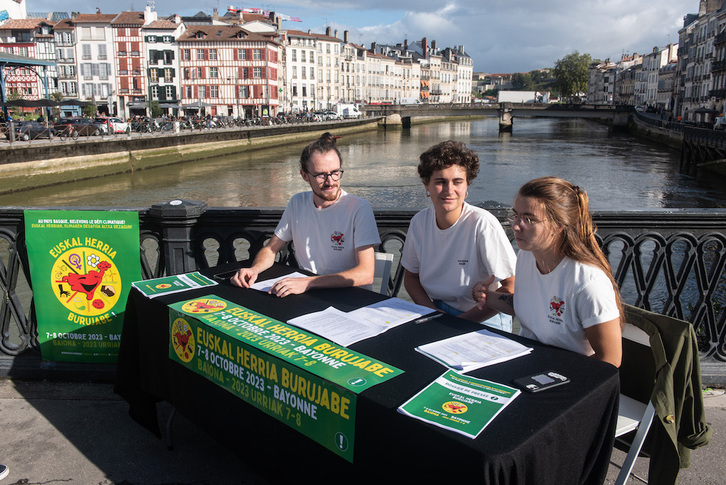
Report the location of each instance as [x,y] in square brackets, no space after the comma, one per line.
[82,264]
[460,403]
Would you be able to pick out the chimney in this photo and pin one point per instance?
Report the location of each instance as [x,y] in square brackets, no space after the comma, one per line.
[328,31]
[433,46]
[177,18]
[425,48]
[215,14]
[405,44]
[374,46]
[345,36]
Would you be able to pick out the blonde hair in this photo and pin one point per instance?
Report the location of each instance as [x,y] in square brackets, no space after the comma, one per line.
[567,206]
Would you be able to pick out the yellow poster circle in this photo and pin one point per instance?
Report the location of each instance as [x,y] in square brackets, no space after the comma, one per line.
[455,407]
[204,305]
[86,281]
[182,339]
[163,286]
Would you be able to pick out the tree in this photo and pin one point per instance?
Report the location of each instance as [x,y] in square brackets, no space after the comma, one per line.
[155,109]
[522,82]
[571,73]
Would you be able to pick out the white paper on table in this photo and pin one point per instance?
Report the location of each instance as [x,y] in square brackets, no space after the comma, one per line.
[474,350]
[267,284]
[390,312]
[337,326]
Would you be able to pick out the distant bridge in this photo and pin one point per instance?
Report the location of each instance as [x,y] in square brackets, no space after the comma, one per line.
[615,115]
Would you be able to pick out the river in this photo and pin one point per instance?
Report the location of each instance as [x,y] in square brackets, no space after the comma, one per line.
[619,171]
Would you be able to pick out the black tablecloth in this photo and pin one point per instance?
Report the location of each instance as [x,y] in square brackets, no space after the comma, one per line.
[562,435]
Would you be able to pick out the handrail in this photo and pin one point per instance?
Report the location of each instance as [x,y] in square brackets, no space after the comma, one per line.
[668,261]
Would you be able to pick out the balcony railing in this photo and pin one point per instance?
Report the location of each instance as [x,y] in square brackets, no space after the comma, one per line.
[670,261]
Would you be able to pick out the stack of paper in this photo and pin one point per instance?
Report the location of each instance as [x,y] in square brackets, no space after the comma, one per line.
[351,327]
[474,350]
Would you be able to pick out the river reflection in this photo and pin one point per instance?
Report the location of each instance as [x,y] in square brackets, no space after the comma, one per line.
[619,171]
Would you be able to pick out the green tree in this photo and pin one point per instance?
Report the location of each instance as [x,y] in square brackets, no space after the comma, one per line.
[90,110]
[56,96]
[522,82]
[571,73]
[155,109]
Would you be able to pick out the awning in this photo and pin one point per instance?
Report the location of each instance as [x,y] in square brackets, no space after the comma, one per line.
[136,104]
[197,105]
[169,105]
[43,103]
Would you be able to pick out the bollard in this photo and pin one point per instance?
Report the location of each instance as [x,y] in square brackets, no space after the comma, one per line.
[177,219]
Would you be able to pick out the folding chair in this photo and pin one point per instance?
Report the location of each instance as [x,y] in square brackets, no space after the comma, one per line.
[384,265]
[636,379]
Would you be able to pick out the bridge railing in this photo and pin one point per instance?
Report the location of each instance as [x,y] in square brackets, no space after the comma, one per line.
[668,261]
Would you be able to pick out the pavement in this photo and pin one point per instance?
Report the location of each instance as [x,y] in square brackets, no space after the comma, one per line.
[80,433]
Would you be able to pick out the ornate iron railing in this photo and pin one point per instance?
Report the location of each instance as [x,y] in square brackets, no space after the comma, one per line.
[668,261]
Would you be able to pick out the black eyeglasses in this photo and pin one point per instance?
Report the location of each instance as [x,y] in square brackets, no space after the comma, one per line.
[323,176]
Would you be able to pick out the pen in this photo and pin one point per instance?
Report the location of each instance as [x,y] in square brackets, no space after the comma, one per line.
[429,317]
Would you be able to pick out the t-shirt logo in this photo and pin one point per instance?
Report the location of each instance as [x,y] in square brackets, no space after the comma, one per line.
[557,307]
[337,238]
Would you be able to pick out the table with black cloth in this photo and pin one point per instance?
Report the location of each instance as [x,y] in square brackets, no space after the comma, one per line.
[559,436]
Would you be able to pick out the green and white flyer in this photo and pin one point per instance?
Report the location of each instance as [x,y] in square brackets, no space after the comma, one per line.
[173,284]
[460,403]
[82,264]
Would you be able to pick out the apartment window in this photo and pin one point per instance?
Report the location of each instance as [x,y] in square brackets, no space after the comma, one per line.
[154,75]
[302,56]
[187,92]
[200,54]
[294,55]
[294,89]
[154,92]
[257,72]
[187,55]
[102,51]
[213,91]
[168,57]
[86,48]
[202,91]
[213,72]
[294,72]
[170,92]
[212,54]
[312,57]
[256,54]
[244,92]
[241,54]
[168,74]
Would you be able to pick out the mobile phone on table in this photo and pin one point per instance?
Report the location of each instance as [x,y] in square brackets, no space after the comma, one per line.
[541,381]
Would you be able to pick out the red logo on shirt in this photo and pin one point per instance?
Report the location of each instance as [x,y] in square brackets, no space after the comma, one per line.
[337,238]
[557,306]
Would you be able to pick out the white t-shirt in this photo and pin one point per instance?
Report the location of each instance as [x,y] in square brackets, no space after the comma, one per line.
[325,239]
[450,261]
[556,308]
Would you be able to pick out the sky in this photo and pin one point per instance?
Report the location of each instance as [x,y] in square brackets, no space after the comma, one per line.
[501,36]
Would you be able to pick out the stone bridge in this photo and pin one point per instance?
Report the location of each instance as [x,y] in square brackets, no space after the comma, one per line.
[616,116]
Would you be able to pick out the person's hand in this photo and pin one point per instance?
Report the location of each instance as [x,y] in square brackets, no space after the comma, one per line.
[479,292]
[289,286]
[244,278]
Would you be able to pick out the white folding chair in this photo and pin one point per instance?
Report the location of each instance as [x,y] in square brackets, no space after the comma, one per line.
[384,265]
[632,413]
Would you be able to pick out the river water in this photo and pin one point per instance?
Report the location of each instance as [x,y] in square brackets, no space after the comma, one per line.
[620,172]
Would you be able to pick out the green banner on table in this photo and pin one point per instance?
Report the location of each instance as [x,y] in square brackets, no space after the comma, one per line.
[302,380]
[82,264]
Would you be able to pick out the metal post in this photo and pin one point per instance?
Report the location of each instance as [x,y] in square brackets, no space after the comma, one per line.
[177,219]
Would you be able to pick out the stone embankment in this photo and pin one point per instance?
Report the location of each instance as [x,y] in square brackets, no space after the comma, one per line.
[36,164]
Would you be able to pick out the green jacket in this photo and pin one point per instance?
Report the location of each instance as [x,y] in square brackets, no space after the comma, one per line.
[680,423]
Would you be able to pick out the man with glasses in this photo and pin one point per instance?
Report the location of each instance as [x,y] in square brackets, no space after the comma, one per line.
[333,232]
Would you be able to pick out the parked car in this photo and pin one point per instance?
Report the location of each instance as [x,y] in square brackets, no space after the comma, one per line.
[115,124]
[30,130]
[332,115]
[75,127]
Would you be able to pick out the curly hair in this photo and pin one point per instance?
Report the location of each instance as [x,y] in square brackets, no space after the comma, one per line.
[446,154]
[322,145]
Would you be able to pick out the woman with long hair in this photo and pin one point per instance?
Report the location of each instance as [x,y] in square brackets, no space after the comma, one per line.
[565,294]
